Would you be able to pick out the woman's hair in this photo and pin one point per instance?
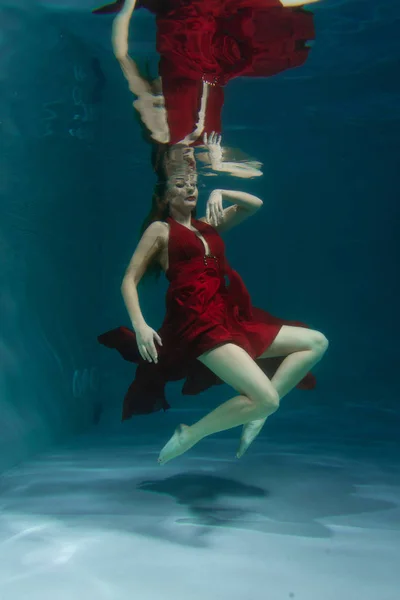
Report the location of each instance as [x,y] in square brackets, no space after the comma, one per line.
[159,210]
[159,203]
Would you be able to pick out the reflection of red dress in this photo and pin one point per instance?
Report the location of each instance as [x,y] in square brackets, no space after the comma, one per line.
[202,313]
[215,41]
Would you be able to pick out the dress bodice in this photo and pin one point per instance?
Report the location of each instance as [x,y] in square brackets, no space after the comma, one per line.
[187,252]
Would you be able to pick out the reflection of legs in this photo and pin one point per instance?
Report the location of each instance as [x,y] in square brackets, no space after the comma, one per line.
[258,399]
[303,348]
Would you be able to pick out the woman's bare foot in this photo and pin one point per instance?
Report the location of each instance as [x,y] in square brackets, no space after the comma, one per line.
[180,442]
[249,433]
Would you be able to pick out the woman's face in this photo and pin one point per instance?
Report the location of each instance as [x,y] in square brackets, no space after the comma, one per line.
[182,192]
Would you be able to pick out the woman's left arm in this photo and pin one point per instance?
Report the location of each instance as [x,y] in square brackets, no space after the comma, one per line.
[244,205]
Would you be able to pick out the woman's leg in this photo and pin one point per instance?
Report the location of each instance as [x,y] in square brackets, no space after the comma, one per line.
[303,349]
[257,399]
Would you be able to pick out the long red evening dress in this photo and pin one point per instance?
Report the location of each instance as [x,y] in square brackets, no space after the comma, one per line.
[207,305]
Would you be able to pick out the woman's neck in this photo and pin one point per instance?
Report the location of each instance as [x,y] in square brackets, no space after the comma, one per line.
[182,219]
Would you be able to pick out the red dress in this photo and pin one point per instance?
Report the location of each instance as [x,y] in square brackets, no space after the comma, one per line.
[207,305]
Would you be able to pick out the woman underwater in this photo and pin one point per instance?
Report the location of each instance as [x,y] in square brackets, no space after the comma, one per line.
[211,333]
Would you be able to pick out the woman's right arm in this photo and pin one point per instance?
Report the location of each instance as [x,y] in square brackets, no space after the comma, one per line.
[151,243]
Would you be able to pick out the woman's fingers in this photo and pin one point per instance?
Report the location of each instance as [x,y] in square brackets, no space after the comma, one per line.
[212,216]
[212,139]
[218,210]
[152,351]
[215,138]
[148,351]
[146,345]
[215,209]
[220,207]
[215,214]
[144,353]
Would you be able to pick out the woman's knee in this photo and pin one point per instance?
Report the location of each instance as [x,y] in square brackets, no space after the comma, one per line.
[319,342]
[265,396]
[235,367]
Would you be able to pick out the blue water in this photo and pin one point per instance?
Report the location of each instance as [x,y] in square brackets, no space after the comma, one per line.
[312,511]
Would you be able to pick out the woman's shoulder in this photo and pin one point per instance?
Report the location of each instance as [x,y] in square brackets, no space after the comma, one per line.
[158,226]
[157,229]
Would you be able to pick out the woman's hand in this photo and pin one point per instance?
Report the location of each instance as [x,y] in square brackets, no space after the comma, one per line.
[245,170]
[214,208]
[145,337]
[213,144]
